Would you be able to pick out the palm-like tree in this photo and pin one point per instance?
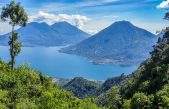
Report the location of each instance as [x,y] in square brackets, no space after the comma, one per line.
[15,14]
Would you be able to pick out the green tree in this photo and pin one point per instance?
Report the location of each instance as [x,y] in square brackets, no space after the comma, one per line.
[162,98]
[127,104]
[141,101]
[15,14]
[110,99]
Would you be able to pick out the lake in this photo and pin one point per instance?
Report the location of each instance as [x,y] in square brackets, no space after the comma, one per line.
[60,65]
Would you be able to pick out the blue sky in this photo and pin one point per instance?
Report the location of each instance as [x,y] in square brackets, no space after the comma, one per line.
[94,15]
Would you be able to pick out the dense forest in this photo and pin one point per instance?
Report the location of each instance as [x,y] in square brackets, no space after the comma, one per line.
[25,88]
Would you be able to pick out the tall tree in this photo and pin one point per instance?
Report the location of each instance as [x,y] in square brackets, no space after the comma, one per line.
[15,14]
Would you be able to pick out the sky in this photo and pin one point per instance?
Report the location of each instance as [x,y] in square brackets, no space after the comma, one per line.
[94,15]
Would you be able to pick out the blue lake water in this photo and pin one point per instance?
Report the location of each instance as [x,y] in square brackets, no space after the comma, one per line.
[55,64]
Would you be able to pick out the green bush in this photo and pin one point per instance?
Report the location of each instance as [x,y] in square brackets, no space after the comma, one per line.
[162,98]
[141,101]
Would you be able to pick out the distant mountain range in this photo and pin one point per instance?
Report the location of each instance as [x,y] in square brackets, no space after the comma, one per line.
[121,43]
[42,34]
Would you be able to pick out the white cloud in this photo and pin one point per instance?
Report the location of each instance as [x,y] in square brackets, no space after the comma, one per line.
[109,16]
[1,31]
[92,32]
[107,1]
[1,5]
[54,6]
[164,4]
[151,26]
[4,28]
[76,19]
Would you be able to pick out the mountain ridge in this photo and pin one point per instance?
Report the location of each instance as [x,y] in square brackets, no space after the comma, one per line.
[121,41]
[42,34]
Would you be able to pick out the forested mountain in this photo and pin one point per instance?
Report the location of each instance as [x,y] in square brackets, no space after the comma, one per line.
[81,87]
[114,81]
[42,34]
[121,43]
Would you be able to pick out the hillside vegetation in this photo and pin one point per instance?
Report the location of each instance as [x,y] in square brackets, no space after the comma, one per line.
[148,87]
[24,88]
[82,88]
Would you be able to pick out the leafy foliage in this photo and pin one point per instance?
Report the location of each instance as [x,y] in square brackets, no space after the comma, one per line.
[141,101]
[14,13]
[111,99]
[24,88]
[162,98]
[154,73]
[15,47]
[115,81]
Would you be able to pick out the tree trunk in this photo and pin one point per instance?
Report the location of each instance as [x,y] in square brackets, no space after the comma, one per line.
[11,48]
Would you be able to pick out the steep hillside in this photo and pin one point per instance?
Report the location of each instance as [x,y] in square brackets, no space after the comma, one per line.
[42,34]
[148,87]
[114,81]
[83,88]
[154,73]
[121,43]
[23,88]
